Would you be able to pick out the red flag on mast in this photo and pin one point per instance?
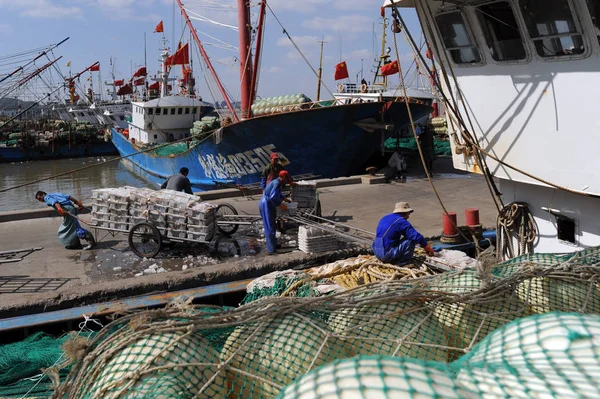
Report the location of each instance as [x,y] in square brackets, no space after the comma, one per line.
[95,68]
[139,82]
[119,82]
[140,72]
[341,71]
[154,86]
[127,89]
[159,28]
[390,69]
[181,56]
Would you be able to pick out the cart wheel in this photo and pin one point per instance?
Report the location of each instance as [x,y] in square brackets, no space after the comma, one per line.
[145,240]
[227,209]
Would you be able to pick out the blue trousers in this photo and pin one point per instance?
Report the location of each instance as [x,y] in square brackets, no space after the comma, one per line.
[400,254]
[268,215]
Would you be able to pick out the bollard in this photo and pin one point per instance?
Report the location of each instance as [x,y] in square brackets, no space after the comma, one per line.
[472,216]
[450,224]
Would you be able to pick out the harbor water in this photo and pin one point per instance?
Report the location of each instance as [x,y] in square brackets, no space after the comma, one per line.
[78,184]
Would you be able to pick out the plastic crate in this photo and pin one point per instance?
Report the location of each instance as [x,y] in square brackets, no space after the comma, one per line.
[292,208]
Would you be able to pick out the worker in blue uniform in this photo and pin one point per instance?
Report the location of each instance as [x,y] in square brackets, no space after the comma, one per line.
[272,198]
[69,232]
[395,238]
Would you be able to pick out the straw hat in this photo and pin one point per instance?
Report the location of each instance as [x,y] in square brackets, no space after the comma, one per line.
[402,207]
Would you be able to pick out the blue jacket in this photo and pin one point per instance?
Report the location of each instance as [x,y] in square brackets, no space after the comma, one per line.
[402,228]
[273,195]
[53,198]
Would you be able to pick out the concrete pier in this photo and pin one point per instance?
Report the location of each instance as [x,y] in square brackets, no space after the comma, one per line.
[56,278]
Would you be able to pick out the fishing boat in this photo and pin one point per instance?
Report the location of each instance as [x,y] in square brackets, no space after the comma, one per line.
[322,138]
[29,134]
[514,76]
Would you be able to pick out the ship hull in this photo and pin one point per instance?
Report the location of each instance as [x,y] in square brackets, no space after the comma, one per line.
[326,142]
[16,154]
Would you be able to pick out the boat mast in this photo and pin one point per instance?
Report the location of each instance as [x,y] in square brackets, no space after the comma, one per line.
[383,57]
[207,61]
[245,55]
[259,39]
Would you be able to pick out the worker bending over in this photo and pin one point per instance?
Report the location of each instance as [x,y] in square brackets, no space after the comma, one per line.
[179,182]
[395,238]
[69,232]
[271,199]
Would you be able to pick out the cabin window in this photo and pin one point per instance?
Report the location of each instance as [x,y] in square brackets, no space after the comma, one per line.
[594,8]
[179,111]
[502,34]
[150,110]
[194,110]
[565,229]
[552,27]
[457,39]
[187,110]
[172,111]
[155,136]
[157,111]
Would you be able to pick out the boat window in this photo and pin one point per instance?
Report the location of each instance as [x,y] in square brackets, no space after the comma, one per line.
[594,8]
[501,31]
[179,111]
[150,111]
[457,40]
[194,110]
[172,111]
[157,111]
[187,110]
[552,27]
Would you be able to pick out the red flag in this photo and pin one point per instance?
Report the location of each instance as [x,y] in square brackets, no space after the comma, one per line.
[127,89]
[341,71]
[95,67]
[140,72]
[390,69]
[181,56]
[159,28]
[139,82]
[119,82]
[154,86]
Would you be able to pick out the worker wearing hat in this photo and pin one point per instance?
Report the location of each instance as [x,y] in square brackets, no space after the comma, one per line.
[271,199]
[271,171]
[395,238]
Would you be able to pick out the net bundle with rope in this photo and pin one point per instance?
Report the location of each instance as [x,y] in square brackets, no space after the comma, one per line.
[418,335]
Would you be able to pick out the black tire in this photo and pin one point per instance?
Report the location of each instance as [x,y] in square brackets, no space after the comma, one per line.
[226,209]
[145,240]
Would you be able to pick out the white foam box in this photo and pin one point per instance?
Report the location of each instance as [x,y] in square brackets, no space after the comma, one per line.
[312,240]
[195,229]
[201,211]
[292,208]
[101,194]
[198,236]
[177,233]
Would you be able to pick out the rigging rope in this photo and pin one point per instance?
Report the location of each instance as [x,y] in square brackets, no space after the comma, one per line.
[285,32]
[414,130]
[515,219]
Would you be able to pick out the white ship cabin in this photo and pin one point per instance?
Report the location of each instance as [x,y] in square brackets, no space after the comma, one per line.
[117,114]
[84,114]
[164,119]
[527,72]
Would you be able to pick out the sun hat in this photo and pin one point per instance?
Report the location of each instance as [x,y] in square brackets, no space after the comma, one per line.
[274,156]
[403,207]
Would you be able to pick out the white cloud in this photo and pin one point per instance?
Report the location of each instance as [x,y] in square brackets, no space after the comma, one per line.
[303,41]
[5,28]
[359,54]
[304,6]
[274,69]
[344,23]
[42,8]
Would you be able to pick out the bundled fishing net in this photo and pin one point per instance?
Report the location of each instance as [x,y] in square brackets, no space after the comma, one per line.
[423,324]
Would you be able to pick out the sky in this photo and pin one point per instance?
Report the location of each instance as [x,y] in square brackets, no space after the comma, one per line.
[101,30]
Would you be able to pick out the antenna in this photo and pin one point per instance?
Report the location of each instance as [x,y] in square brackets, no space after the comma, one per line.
[320,68]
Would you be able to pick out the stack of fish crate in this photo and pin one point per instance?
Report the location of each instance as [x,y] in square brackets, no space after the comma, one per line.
[201,223]
[110,207]
[305,194]
[313,240]
[174,214]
